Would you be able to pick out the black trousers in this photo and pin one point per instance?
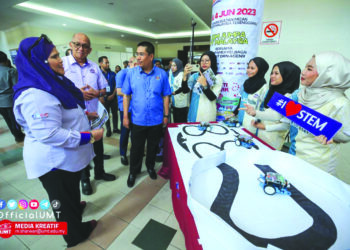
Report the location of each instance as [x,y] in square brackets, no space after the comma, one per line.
[98,161]
[139,136]
[10,120]
[180,114]
[112,106]
[64,186]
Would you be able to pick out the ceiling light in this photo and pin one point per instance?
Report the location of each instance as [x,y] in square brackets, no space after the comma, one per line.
[134,31]
[63,24]
[122,35]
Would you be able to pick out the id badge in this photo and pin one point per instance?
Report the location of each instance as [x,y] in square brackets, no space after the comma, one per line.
[108,89]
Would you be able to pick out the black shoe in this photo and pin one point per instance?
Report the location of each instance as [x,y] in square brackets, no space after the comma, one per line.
[86,187]
[106,157]
[152,174]
[131,180]
[124,160]
[116,131]
[109,133]
[91,226]
[82,206]
[105,177]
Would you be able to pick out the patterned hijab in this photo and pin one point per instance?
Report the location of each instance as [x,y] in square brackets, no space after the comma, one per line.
[253,84]
[332,81]
[290,80]
[35,72]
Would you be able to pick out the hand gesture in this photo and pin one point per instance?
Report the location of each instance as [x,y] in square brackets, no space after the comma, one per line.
[87,93]
[249,109]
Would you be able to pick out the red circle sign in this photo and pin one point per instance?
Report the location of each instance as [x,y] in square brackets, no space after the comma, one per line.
[271,30]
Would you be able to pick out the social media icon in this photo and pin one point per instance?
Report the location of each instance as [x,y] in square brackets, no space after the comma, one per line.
[12,204]
[2,204]
[22,204]
[34,204]
[56,204]
[44,204]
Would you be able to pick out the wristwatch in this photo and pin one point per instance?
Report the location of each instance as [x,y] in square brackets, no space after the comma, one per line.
[92,139]
[166,116]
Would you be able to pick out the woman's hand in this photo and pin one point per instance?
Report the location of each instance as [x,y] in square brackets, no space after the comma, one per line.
[202,80]
[97,133]
[249,109]
[323,140]
[187,70]
[258,125]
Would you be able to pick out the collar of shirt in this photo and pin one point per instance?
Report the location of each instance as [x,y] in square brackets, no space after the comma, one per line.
[72,61]
[142,71]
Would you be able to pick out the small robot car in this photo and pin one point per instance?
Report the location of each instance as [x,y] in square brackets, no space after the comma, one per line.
[274,183]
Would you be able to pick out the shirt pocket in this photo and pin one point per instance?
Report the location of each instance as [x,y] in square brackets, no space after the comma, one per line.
[156,86]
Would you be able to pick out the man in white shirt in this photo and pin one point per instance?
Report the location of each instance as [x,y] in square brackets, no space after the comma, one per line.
[87,76]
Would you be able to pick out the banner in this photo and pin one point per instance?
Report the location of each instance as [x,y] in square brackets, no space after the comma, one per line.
[235,33]
[309,119]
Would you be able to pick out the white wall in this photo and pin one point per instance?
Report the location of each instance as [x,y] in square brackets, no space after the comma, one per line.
[308,27]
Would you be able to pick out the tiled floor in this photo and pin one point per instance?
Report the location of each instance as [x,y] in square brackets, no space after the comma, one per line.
[122,212]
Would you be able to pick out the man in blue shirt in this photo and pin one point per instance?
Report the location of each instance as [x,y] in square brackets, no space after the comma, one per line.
[109,100]
[146,89]
[125,132]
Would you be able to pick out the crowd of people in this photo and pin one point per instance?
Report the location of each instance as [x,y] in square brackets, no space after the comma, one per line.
[55,99]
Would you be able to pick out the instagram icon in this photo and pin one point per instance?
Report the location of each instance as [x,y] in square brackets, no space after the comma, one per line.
[22,204]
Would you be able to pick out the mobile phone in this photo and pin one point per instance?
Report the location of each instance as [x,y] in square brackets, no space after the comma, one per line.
[195,67]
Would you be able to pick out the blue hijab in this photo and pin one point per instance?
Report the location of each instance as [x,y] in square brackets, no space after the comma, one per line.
[35,72]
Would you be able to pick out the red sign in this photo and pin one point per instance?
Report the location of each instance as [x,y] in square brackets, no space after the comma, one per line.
[9,228]
[271,30]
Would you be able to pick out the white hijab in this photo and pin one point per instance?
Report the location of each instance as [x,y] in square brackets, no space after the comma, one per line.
[332,81]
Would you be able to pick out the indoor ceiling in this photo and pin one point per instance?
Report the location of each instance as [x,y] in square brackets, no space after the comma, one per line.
[155,18]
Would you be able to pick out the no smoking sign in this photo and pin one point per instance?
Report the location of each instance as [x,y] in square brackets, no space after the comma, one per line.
[271,32]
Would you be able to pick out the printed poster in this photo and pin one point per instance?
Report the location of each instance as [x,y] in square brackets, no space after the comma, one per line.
[235,32]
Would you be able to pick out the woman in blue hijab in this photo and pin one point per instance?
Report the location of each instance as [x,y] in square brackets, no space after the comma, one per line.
[58,139]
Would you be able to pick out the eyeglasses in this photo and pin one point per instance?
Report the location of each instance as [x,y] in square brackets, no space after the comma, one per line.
[43,36]
[78,45]
[205,61]
[140,54]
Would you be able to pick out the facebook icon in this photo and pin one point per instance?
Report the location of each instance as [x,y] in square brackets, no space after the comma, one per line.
[2,204]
